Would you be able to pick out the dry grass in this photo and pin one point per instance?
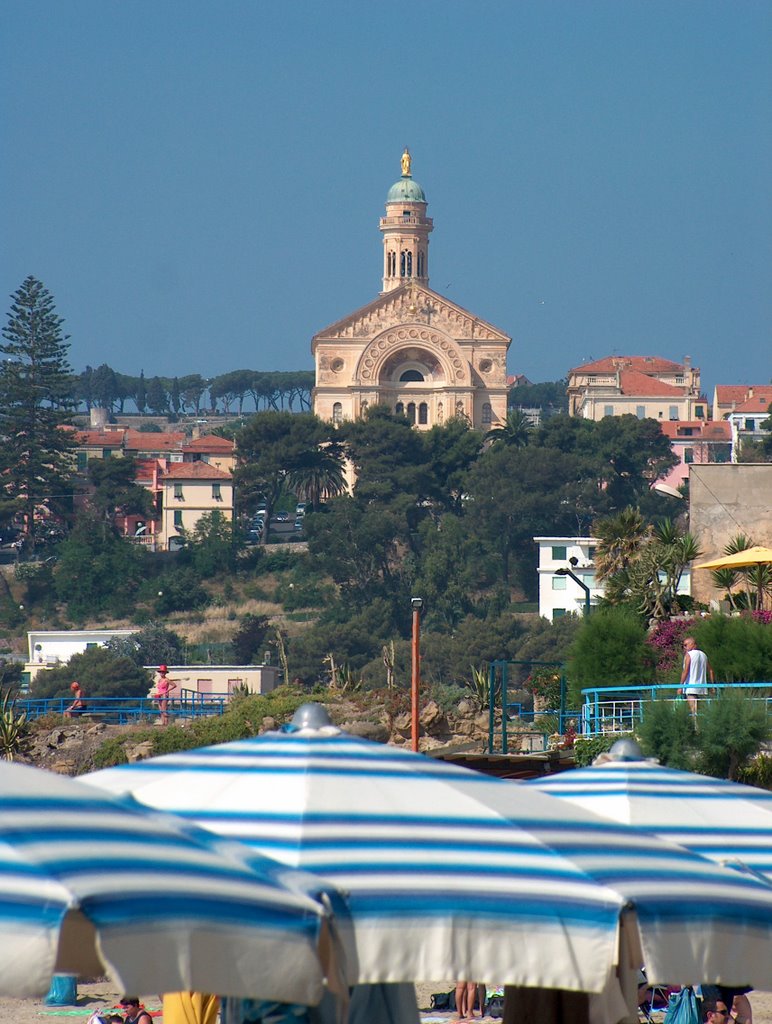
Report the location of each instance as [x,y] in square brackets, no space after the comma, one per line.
[219,624]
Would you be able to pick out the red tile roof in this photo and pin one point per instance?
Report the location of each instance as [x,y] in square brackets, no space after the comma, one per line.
[99,438]
[146,441]
[634,383]
[210,443]
[711,430]
[759,403]
[194,471]
[643,364]
[728,393]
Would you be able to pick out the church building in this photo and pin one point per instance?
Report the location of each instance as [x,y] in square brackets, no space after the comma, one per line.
[411,348]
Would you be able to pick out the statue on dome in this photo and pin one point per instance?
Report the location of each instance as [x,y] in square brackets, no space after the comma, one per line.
[406,161]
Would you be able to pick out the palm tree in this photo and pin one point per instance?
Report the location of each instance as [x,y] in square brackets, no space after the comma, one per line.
[725,579]
[515,431]
[620,539]
[320,474]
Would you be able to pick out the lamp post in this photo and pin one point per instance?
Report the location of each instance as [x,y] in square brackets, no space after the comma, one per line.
[415,677]
[575,578]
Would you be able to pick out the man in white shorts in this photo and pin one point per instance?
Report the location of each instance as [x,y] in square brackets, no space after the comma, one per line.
[695,674]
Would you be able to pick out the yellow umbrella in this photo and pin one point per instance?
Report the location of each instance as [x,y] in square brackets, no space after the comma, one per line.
[190,1008]
[742,560]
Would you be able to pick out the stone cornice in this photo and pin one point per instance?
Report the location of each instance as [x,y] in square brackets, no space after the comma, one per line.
[413,304]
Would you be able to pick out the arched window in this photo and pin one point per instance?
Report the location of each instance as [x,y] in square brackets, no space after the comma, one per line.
[411,411]
[420,264]
[411,375]
[486,412]
[391,264]
[423,413]
[406,264]
[399,409]
[337,413]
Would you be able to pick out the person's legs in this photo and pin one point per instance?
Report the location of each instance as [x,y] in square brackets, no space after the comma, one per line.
[461,1000]
[471,998]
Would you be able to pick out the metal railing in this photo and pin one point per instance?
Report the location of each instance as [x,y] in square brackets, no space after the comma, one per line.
[503,676]
[618,709]
[127,710]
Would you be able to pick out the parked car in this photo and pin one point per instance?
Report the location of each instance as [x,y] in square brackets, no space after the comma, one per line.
[300,510]
[281,517]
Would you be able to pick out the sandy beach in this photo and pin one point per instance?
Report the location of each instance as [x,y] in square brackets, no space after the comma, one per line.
[102,995]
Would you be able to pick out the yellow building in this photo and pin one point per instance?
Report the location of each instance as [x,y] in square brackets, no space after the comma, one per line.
[642,386]
[190,490]
[411,348]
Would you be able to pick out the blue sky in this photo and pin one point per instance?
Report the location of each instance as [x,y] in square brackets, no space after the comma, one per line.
[199,184]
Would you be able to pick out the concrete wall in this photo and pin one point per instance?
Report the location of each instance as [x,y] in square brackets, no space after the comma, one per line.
[724,500]
[223,678]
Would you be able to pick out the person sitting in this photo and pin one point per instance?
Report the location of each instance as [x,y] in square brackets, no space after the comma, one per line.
[135,1012]
[78,706]
[714,1011]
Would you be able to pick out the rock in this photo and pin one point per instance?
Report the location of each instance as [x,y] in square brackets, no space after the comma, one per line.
[402,722]
[63,767]
[464,728]
[139,752]
[54,738]
[376,731]
[432,718]
[268,724]
[465,707]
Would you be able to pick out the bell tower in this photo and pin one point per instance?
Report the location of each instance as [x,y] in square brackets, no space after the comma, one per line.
[405,230]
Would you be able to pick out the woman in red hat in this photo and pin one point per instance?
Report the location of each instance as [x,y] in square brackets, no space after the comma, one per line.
[78,706]
[163,686]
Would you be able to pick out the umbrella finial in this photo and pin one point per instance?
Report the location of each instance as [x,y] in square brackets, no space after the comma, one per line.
[626,750]
[311,716]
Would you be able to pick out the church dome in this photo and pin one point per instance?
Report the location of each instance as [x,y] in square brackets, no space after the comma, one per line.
[406,191]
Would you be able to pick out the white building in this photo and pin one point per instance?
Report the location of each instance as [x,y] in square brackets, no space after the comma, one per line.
[561,595]
[49,648]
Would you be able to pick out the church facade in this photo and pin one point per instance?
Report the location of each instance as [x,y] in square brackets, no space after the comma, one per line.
[411,348]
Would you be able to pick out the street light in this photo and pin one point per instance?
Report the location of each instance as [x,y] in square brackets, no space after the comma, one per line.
[569,572]
[415,678]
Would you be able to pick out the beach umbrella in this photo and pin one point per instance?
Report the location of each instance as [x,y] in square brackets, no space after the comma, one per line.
[722,820]
[448,873]
[91,885]
[746,559]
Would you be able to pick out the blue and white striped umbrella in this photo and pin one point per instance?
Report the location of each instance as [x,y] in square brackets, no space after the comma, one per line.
[722,820]
[448,873]
[90,883]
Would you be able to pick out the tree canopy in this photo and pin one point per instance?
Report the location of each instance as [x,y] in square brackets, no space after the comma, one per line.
[35,392]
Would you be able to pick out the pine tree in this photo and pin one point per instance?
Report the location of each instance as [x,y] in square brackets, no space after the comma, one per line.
[36,387]
[141,396]
[174,396]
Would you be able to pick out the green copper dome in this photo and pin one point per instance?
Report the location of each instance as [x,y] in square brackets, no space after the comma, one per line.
[406,191]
